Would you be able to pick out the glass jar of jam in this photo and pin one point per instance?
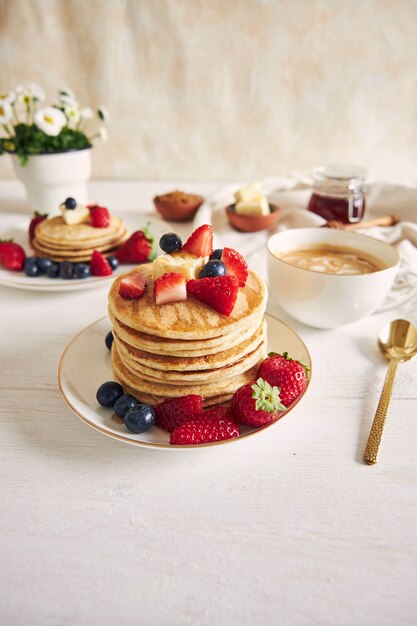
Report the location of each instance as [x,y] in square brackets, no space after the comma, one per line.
[339,193]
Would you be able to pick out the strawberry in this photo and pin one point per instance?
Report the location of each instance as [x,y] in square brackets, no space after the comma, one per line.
[99,265]
[12,256]
[170,287]
[283,372]
[217,412]
[137,249]
[256,404]
[200,242]
[219,293]
[100,216]
[204,430]
[36,219]
[132,287]
[235,265]
[174,412]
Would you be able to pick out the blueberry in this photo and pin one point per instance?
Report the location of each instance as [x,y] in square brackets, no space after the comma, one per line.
[212,268]
[113,261]
[31,267]
[81,270]
[109,340]
[108,393]
[216,254]
[70,203]
[53,270]
[170,242]
[123,404]
[139,418]
[43,265]
[65,269]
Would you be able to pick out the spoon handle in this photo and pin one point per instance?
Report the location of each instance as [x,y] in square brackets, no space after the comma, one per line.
[375,436]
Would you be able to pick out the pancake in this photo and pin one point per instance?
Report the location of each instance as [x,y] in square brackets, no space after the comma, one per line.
[190,319]
[207,390]
[75,255]
[56,230]
[215,361]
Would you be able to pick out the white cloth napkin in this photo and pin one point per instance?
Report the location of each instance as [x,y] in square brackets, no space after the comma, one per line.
[292,193]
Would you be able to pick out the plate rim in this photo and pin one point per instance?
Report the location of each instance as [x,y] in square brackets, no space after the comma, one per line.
[149,444]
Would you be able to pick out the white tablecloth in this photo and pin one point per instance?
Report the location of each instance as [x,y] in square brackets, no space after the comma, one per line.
[288,527]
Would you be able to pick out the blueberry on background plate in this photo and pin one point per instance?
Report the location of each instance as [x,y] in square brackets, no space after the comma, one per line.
[81,270]
[140,418]
[70,203]
[43,264]
[66,269]
[216,254]
[31,267]
[113,261]
[123,404]
[170,242]
[109,340]
[108,393]
[53,270]
[212,268]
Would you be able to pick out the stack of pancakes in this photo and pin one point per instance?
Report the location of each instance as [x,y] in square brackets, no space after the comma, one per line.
[59,241]
[171,350]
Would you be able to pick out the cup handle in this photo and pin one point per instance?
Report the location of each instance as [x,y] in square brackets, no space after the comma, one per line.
[400,300]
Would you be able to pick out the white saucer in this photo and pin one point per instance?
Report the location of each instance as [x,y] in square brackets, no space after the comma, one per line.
[85,364]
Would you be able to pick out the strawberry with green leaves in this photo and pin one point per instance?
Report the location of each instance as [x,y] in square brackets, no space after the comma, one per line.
[139,248]
[287,374]
[256,404]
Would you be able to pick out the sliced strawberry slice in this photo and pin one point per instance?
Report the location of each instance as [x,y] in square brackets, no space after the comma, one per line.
[219,293]
[170,287]
[200,242]
[132,287]
[235,265]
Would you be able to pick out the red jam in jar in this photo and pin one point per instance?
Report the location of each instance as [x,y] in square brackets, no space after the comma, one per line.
[338,193]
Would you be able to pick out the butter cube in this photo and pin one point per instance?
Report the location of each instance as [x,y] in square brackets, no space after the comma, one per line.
[258,206]
[76,216]
[188,266]
[248,193]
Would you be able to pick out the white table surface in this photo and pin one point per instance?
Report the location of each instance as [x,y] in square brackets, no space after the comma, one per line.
[288,527]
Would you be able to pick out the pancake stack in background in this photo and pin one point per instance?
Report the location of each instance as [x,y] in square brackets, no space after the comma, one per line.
[168,351]
[59,241]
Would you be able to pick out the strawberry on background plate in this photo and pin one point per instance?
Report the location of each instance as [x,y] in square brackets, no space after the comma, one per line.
[177,411]
[99,215]
[235,265]
[205,429]
[289,375]
[99,265]
[36,219]
[256,404]
[220,292]
[200,242]
[12,255]
[137,249]
[132,287]
[169,288]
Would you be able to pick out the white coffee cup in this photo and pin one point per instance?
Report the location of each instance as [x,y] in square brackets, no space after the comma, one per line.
[328,300]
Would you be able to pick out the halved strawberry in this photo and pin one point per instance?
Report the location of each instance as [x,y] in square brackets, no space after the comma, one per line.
[235,265]
[204,430]
[219,293]
[200,242]
[132,287]
[99,265]
[170,287]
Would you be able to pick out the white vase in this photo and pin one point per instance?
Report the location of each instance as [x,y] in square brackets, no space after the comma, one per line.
[50,178]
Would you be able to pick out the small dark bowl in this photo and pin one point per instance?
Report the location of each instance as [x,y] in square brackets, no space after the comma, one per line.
[253,223]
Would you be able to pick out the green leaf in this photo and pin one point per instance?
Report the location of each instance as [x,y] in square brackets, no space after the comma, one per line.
[267,397]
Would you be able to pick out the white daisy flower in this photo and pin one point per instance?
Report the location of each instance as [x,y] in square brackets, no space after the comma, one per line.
[102,133]
[87,113]
[73,114]
[29,92]
[67,92]
[103,114]
[8,96]
[69,101]
[50,120]
[6,112]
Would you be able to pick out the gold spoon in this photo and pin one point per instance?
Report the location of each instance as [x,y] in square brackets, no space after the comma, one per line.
[397,342]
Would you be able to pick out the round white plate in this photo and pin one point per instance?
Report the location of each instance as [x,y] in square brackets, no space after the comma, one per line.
[19,280]
[79,384]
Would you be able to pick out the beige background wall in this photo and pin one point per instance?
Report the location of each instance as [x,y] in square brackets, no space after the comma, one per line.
[227,89]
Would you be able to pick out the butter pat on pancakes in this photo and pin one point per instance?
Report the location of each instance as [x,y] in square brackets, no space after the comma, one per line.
[332,260]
